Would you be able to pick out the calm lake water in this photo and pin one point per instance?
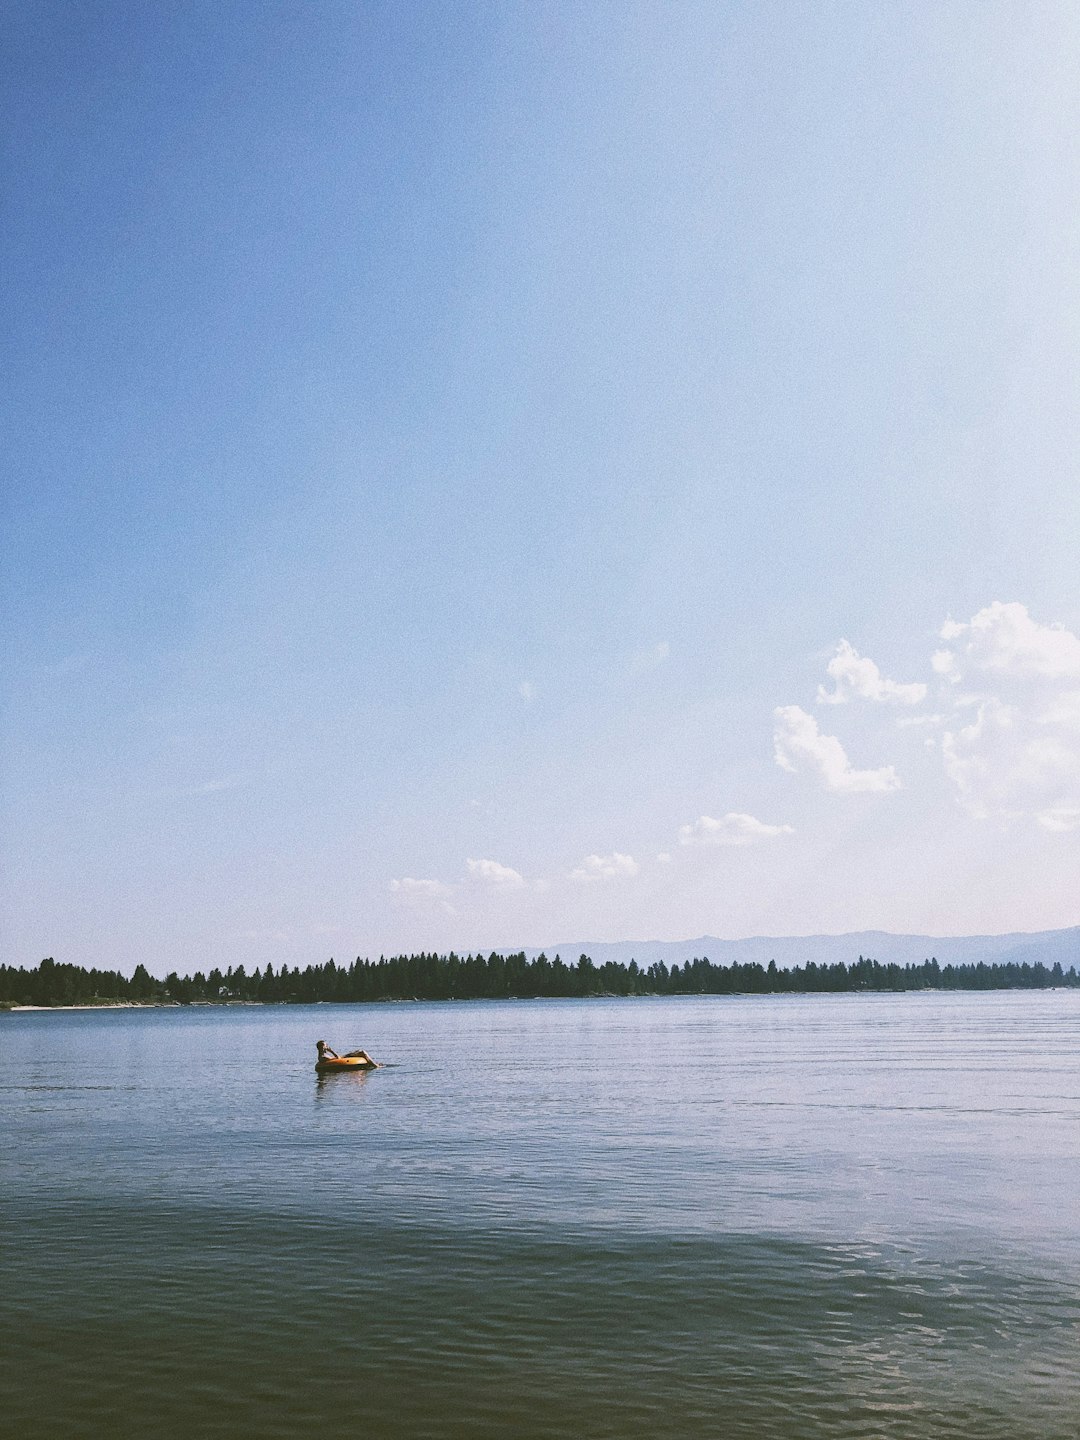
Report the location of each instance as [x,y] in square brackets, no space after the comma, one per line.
[799,1217]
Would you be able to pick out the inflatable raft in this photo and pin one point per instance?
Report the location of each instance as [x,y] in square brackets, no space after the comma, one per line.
[327,1066]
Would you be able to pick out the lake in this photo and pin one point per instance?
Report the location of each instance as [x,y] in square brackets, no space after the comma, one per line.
[758,1217]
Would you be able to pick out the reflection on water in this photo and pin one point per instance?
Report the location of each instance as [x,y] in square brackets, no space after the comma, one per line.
[352,1080]
[815,1217]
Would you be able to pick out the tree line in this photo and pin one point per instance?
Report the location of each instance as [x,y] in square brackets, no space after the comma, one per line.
[502,977]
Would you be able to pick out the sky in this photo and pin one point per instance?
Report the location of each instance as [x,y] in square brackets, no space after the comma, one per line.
[491,475]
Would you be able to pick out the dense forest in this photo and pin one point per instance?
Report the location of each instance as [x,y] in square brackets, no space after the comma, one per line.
[501,977]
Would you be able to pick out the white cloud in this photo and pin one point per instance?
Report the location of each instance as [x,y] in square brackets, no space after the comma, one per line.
[527,691]
[1012,745]
[498,877]
[644,660]
[1003,640]
[798,745]
[732,829]
[1006,720]
[1059,818]
[606,867]
[1009,764]
[410,889]
[1062,708]
[856,677]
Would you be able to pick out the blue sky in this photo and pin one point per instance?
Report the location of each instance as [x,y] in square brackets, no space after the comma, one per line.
[448,448]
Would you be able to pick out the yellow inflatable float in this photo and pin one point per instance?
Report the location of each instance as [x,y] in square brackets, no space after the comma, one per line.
[331,1063]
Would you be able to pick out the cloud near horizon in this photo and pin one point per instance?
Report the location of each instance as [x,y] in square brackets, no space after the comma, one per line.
[412,889]
[494,875]
[488,874]
[606,867]
[1004,720]
[799,745]
[732,829]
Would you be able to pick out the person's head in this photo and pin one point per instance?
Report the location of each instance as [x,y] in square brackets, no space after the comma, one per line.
[320,1045]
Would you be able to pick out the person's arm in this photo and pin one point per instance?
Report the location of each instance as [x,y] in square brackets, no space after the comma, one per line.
[332,1053]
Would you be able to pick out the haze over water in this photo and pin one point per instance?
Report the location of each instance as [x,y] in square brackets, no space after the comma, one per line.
[753,1217]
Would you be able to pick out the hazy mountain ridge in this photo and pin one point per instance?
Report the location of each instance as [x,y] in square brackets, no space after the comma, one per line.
[1048,946]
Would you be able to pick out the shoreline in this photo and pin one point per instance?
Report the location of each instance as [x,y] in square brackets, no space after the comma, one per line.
[10,1009]
[139,1005]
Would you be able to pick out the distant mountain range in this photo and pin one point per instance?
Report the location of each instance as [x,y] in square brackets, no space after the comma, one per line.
[1048,946]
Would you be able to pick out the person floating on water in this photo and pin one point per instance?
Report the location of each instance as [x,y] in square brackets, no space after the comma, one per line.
[325,1053]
